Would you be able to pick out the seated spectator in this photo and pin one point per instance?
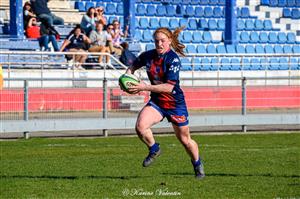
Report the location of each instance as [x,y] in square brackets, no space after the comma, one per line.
[88,20]
[99,39]
[117,33]
[27,13]
[34,31]
[100,16]
[127,57]
[109,43]
[77,41]
[40,8]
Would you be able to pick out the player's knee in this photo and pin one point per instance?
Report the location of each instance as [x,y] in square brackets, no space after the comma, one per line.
[140,128]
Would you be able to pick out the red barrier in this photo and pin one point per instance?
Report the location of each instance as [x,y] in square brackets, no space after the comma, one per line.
[85,99]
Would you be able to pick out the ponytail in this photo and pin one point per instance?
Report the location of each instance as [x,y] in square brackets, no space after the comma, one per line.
[175,43]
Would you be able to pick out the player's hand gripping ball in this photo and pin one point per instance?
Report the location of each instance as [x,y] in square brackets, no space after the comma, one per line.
[128,80]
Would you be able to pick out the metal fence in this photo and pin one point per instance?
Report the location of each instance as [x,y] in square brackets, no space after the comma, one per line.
[65,104]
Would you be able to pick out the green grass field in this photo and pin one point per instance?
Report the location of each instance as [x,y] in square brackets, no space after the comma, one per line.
[237,166]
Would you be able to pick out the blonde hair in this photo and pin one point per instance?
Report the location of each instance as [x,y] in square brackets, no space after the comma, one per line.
[175,44]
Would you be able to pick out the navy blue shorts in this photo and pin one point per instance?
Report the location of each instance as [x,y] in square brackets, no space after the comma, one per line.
[178,117]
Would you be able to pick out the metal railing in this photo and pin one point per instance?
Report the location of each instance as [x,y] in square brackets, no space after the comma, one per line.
[103,106]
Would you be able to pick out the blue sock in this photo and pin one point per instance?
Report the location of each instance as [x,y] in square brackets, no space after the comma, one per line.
[154,148]
[196,163]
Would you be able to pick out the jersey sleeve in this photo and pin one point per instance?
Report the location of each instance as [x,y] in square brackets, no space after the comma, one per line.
[172,71]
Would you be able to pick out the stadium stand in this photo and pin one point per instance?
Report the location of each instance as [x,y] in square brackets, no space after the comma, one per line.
[264,27]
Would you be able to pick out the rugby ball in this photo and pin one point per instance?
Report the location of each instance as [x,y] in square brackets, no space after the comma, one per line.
[128,80]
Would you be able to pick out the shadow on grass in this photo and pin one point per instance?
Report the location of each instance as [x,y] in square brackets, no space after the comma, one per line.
[69,177]
[234,175]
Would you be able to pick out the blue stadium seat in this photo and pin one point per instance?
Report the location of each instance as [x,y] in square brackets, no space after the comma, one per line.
[174,23]
[291,38]
[88,5]
[163,22]
[217,12]
[264,63]
[213,2]
[235,64]
[272,38]
[222,2]
[249,25]
[291,3]
[138,35]
[263,37]
[110,9]
[294,64]
[180,11]
[283,63]
[192,24]
[244,12]
[189,11]
[230,49]
[287,49]
[79,5]
[245,64]
[240,24]
[149,46]
[150,10]
[140,10]
[273,3]
[204,2]
[278,49]
[147,36]
[208,12]
[197,37]
[170,11]
[221,24]
[201,49]
[183,22]
[161,10]
[281,38]
[259,49]
[203,25]
[255,64]
[250,49]
[286,12]
[199,12]
[153,24]
[186,64]
[244,37]
[99,4]
[258,24]
[211,49]
[207,38]
[205,64]
[269,49]
[295,14]
[195,2]
[144,23]
[274,64]
[212,24]
[221,49]
[282,3]
[240,49]
[225,64]
[187,37]
[268,25]
[196,63]
[296,48]
[186,2]
[191,49]
[120,9]
[265,2]
[215,64]
[254,38]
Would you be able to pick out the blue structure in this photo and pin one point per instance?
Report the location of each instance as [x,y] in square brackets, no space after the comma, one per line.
[230,22]
[16,19]
[129,16]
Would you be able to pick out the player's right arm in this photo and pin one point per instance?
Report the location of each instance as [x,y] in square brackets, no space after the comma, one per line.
[138,63]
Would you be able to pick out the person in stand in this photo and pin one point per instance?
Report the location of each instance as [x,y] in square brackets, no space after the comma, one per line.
[167,98]
[40,8]
[100,16]
[127,57]
[77,41]
[117,34]
[99,39]
[88,21]
[27,13]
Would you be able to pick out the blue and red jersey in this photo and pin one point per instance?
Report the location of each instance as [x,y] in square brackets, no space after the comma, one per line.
[163,69]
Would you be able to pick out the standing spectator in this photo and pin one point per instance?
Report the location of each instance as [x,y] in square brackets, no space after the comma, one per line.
[27,13]
[100,16]
[34,31]
[40,8]
[76,42]
[88,20]
[98,39]
[127,57]
[117,33]
[49,33]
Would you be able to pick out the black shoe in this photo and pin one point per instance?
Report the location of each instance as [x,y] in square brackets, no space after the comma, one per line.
[151,157]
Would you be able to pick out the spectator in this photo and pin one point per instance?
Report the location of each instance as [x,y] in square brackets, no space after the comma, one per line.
[27,13]
[34,31]
[117,33]
[127,57]
[49,33]
[100,16]
[76,42]
[109,29]
[88,20]
[98,39]
[40,8]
